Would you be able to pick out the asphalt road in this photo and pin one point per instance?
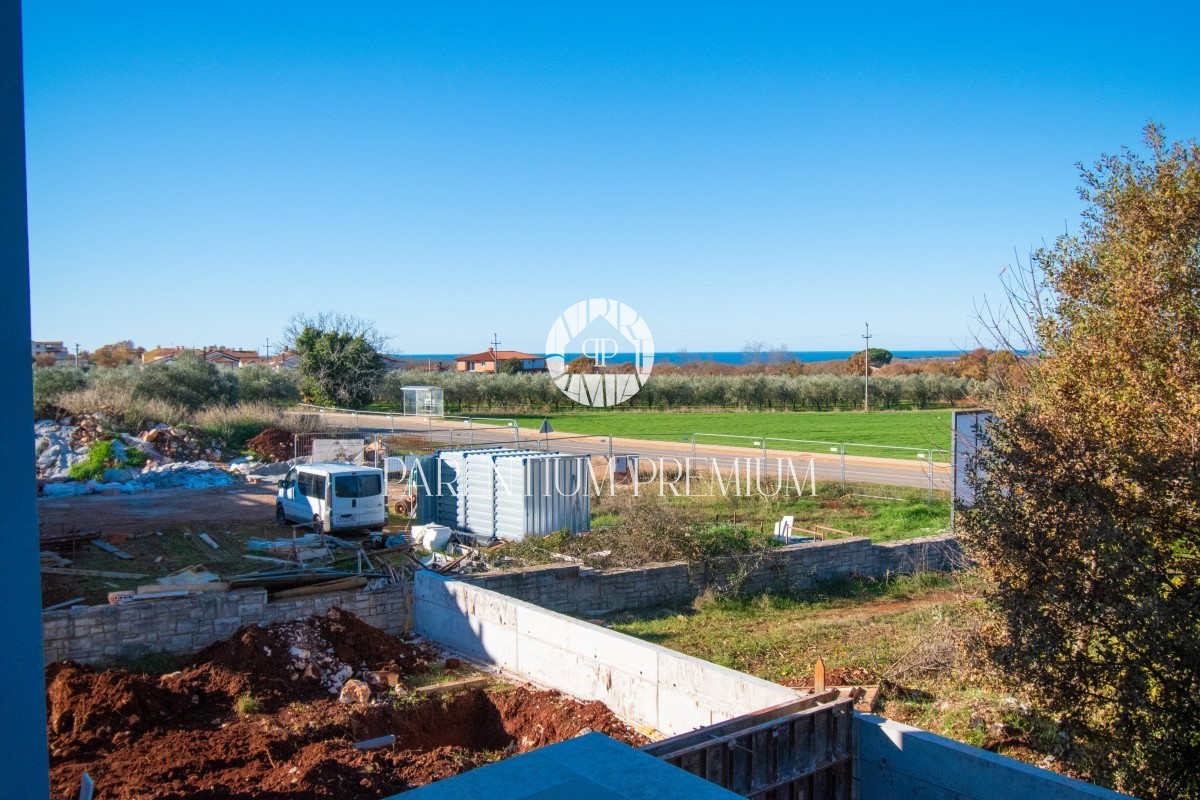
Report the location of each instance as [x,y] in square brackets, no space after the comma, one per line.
[827,466]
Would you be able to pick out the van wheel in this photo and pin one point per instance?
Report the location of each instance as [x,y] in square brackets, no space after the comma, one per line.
[280,517]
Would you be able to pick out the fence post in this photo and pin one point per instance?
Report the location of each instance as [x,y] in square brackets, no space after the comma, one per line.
[470,431]
[842,448]
[930,467]
[392,422]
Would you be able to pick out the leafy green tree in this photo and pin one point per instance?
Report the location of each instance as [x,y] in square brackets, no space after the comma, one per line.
[338,368]
[1087,517]
[187,381]
[879,358]
[509,366]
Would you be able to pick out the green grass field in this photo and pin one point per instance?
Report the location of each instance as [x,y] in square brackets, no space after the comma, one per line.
[923,429]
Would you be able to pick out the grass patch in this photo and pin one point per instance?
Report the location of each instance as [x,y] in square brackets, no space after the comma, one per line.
[102,455]
[921,429]
[247,704]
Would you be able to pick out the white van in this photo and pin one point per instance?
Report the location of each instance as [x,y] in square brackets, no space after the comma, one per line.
[341,496]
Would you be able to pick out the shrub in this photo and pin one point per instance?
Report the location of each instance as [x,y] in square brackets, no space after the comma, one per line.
[188,381]
[120,408]
[240,423]
[257,384]
[50,383]
[135,458]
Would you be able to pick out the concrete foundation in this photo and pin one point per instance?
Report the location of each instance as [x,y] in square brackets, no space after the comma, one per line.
[899,762]
[641,682]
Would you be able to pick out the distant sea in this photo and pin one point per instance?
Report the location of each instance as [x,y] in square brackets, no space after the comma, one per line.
[719,356]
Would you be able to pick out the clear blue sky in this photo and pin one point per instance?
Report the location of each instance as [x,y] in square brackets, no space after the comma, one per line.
[199,171]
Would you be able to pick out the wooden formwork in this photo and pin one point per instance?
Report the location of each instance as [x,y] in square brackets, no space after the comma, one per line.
[800,750]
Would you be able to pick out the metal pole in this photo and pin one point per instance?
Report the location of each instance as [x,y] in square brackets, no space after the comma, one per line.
[930,461]
[867,369]
[842,447]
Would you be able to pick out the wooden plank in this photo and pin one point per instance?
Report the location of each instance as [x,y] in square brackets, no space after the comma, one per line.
[93,573]
[732,726]
[336,585]
[478,682]
[207,586]
[111,548]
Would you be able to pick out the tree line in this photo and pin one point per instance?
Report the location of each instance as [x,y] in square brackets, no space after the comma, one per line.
[472,393]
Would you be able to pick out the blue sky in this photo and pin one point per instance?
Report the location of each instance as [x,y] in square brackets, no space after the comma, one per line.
[200,171]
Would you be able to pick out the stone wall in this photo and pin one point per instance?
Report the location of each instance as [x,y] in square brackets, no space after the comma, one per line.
[572,589]
[182,626]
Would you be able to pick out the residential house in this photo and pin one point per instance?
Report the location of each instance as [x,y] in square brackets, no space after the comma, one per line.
[490,359]
[55,349]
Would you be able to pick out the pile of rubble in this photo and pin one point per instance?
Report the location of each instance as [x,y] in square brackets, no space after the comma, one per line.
[181,444]
[55,452]
[175,458]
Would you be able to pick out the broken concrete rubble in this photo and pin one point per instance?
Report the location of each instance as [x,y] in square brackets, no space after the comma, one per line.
[59,446]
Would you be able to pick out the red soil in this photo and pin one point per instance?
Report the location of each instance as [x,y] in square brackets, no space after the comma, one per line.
[178,736]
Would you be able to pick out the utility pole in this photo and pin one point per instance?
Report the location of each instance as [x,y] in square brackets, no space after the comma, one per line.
[867,368]
[77,355]
[268,355]
[495,341]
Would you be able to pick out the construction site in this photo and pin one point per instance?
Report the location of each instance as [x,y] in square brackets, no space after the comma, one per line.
[204,638]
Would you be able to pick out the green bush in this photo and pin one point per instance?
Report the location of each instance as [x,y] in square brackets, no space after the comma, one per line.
[50,383]
[188,381]
[257,384]
[135,458]
[722,539]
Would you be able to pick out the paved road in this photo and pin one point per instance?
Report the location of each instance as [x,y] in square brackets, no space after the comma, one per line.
[827,466]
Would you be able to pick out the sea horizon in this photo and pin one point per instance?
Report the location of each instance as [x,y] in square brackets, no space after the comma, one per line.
[734,357]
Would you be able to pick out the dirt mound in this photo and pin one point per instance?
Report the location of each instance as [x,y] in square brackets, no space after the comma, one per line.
[306,752]
[273,445]
[150,738]
[301,659]
[87,708]
[536,719]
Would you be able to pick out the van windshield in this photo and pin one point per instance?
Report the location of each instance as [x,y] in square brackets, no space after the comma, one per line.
[357,486]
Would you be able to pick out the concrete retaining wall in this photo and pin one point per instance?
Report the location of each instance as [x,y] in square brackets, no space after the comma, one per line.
[571,589]
[184,625]
[641,682]
[899,762]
